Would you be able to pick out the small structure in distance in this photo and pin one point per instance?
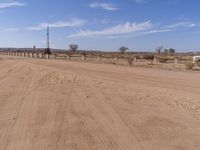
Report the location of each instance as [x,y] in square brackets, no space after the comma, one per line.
[196,60]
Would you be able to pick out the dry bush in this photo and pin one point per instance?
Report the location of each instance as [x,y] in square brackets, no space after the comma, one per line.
[130,60]
[198,63]
[189,65]
[164,60]
[123,49]
[151,57]
[73,47]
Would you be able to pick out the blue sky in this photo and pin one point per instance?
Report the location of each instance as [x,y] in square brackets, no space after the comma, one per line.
[101,24]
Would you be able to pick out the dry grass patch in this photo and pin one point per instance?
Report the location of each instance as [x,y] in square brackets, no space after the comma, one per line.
[189,65]
[130,60]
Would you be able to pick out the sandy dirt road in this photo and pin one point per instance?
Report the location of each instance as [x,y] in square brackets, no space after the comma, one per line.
[60,105]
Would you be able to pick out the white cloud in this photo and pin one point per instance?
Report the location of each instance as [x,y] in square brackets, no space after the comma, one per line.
[105,6]
[13,29]
[141,33]
[11,4]
[132,29]
[9,29]
[157,31]
[127,28]
[60,24]
[140,1]
[180,25]
[172,2]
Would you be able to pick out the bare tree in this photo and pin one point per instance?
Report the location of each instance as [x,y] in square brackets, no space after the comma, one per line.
[159,49]
[73,47]
[166,52]
[172,51]
[123,49]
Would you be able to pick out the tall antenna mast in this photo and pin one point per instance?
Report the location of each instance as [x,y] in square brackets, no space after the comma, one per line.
[48,38]
[47,50]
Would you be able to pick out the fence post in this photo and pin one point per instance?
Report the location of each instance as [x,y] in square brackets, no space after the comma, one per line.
[155,60]
[176,60]
[68,57]
[39,55]
[36,55]
[54,56]
[31,54]
[42,55]
[99,58]
[134,59]
[47,56]
[83,57]
[115,60]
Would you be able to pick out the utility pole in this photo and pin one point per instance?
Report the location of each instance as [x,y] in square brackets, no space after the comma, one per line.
[48,37]
[47,50]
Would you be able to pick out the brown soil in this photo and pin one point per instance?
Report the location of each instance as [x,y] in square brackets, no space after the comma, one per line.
[62,105]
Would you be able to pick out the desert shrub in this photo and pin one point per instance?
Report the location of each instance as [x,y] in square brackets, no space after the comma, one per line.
[47,51]
[198,62]
[172,51]
[73,47]
[164,60]
[189,66]
[139,56]
[123,49]
[130,60]
[148,57]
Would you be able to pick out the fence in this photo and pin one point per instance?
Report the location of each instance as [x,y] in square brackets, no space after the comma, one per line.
[94,58]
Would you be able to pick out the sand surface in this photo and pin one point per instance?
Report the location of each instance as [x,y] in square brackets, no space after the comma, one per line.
[62,105]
